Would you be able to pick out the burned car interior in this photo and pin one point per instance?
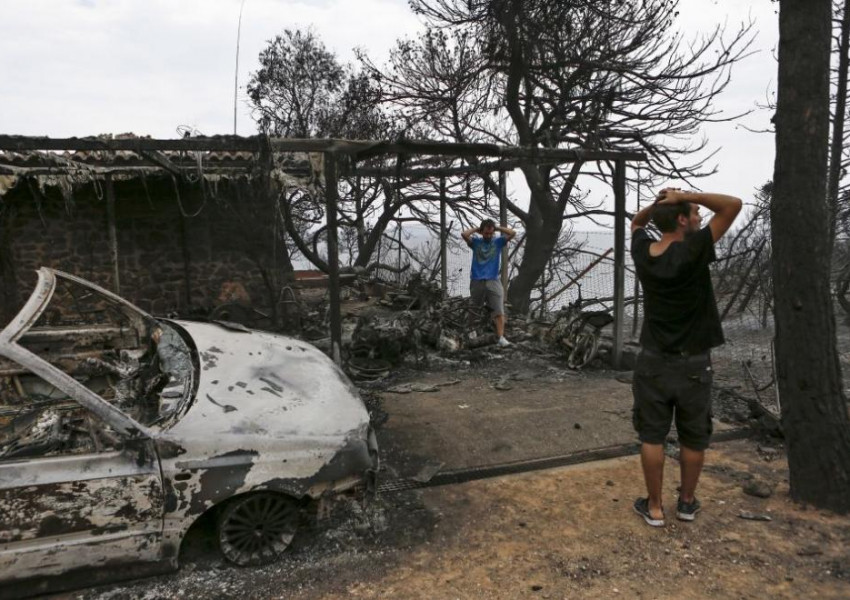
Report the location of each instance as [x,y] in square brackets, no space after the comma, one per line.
[141,366]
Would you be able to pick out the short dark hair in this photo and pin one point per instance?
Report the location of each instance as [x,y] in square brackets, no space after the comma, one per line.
[487,223]
[666,216]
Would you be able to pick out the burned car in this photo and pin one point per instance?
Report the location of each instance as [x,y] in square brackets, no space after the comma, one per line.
[118,431]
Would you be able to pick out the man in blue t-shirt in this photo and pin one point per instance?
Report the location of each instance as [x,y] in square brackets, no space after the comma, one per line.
[485,286]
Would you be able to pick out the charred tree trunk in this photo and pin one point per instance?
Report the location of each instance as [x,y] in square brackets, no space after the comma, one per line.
[367,243]
[542,229]
[543,223]
[392,204]
[814,410]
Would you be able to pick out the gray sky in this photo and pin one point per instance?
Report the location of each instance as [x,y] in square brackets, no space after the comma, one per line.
[85,67]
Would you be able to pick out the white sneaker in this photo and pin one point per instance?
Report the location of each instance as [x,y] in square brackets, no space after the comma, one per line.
[503,342]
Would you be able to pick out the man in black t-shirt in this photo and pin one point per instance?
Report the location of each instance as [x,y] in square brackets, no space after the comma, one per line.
[673,373]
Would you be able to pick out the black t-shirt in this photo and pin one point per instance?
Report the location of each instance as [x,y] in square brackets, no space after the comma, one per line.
[680,313]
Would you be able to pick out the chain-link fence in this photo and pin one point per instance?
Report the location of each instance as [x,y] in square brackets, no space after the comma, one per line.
[587,268]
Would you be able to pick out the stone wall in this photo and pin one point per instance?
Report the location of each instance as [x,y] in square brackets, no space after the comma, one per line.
[168,262]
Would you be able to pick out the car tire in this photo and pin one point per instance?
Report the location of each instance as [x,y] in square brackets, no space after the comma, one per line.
[255,529]
[584,351]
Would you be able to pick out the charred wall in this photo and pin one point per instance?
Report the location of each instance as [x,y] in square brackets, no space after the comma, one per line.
[181,248]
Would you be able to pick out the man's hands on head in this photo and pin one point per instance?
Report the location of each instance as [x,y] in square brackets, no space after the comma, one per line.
[724,207]
[506,231]
[671,196]
[467,234]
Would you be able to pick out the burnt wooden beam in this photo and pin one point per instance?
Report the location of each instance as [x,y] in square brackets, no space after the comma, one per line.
[443,234]
[559,155]
[138,170]
[224,143]
[423,172]
[47,165]
[113,234]
[8,280]
[503,222]
[619,258]
[636,291]
[331,201]
[161,160]
[359,149]
[481,168]
[322,282]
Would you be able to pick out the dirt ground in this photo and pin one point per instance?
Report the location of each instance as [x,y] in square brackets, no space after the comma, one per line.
[560,533]
[570,533]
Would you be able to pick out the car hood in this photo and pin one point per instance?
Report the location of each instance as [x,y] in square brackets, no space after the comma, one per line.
[259,390]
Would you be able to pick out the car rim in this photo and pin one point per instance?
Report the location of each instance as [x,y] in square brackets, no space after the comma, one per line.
[256,529]
[575,327]
[584,350]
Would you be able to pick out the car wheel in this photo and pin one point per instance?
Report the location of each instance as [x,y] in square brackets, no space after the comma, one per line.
[584,351]
[256,529]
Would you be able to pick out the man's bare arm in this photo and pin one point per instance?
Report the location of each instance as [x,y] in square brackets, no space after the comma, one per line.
[725,208]
[641,219]
[507,232]
[467,234]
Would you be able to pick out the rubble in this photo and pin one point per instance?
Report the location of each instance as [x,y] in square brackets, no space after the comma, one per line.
[406,388]
[368,369]
[758,488]
[395,324]
[427,472]
[751,516]
[386,324]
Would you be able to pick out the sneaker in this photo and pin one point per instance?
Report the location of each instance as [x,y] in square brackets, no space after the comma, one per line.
[503,343]
[641,507]
[687,511]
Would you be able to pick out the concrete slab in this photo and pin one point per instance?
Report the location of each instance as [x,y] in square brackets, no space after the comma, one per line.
[481,421]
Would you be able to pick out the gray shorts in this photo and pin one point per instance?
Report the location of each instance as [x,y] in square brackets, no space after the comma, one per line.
[489,292]
[668,387]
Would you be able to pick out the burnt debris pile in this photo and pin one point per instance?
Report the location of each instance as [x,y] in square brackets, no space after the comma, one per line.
[386,325]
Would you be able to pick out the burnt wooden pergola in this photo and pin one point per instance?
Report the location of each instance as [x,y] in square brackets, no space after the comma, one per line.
[140,156]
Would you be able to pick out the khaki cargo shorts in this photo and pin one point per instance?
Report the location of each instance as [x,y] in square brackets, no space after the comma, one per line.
[489,292]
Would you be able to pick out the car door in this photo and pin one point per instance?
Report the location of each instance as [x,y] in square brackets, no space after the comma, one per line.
[80,484]
[67,505]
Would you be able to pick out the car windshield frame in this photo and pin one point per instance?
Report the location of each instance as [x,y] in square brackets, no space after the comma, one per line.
[26,319]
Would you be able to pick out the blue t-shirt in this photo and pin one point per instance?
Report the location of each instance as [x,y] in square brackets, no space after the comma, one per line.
[485,256]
